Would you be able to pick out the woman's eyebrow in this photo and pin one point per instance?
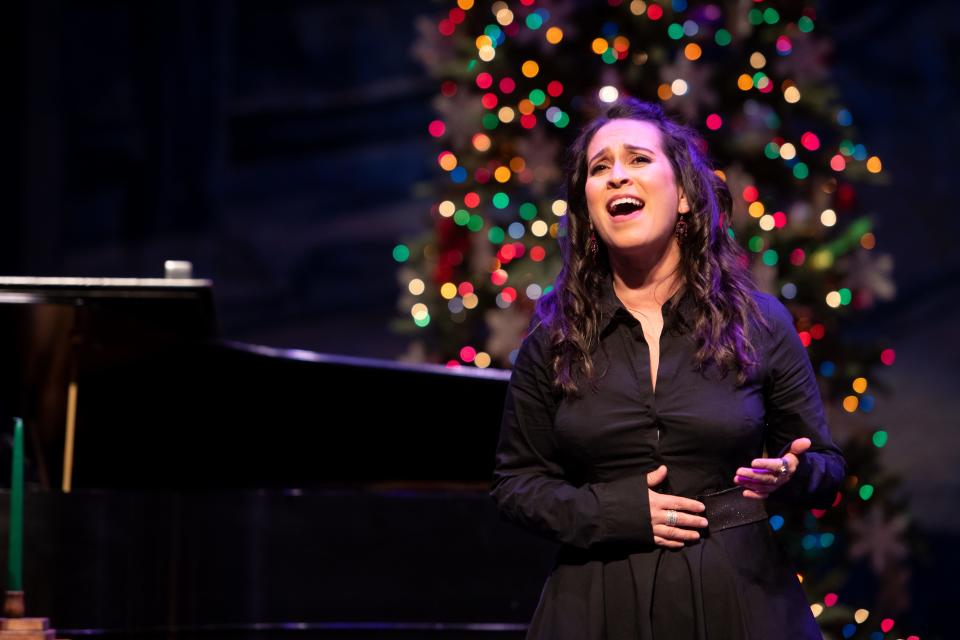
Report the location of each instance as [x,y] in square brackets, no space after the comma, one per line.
[628,147]
[633,148]
[598,154]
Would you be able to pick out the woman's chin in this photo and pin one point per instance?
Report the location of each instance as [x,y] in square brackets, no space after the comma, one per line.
[644,249]
[636,244]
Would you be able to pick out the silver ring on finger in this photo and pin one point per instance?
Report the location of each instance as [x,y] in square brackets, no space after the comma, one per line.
[671,518]
[783,467]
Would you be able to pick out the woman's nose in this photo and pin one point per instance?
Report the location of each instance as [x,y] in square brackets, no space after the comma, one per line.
[618,176]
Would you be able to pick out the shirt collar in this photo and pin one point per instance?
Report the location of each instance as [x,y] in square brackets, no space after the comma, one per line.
[678,311]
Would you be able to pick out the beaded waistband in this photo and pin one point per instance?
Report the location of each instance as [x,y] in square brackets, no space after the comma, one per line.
[729,508]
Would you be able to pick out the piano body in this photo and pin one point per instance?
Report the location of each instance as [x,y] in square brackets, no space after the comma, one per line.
[227,490]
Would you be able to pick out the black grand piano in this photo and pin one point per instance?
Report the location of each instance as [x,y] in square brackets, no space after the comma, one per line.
[184,485]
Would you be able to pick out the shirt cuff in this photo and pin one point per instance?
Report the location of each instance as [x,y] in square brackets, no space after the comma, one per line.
[625,510]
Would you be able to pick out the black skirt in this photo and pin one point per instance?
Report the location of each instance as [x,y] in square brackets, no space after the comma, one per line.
[736,584]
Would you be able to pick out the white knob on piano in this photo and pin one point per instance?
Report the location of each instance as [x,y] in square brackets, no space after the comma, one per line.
[179,269]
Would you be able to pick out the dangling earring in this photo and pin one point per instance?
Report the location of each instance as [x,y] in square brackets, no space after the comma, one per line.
[681,230]
[592,244]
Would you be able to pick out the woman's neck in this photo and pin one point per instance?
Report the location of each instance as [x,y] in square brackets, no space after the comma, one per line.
[647,286]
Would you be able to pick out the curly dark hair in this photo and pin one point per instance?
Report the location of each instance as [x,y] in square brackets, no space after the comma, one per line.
[711,262]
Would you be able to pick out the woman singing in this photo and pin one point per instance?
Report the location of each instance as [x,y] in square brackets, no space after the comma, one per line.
[656,403]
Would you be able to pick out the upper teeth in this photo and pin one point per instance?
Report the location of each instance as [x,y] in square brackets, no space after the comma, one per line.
[620,201]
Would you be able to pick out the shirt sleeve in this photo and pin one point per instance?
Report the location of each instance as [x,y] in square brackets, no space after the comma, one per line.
[794,410]
[529,484]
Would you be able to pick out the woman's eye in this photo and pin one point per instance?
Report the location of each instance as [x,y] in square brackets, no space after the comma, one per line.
[640,159]
[597,167]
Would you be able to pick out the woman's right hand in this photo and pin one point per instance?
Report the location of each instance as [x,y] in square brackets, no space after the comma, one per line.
[673,537]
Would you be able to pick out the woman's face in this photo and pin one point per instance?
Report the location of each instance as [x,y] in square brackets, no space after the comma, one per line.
[632,194]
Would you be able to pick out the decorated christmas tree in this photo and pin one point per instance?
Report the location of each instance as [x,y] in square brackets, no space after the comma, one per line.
[515,82]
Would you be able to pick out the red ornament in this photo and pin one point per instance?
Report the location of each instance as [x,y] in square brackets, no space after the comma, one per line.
[846,197]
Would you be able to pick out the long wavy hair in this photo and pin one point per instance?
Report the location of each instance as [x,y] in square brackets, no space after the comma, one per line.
[711,262]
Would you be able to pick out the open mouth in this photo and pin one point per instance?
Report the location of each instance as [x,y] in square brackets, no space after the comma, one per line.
[624,206]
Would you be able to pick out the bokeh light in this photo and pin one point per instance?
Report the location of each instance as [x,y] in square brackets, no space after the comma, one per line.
[608,94]
[447,161]
[416,286]
[810,141]
[447,208]
[401,253]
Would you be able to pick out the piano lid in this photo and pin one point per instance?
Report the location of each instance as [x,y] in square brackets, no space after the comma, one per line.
[165,404]
[60,329]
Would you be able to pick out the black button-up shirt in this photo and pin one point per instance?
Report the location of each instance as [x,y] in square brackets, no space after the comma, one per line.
[574,469]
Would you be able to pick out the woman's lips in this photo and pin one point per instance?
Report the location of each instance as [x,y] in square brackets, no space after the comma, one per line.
[627,217]
[624,206]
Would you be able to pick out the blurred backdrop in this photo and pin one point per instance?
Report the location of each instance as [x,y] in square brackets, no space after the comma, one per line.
[282,147]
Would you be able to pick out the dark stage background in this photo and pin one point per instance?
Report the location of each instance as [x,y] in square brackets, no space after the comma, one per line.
[279,147]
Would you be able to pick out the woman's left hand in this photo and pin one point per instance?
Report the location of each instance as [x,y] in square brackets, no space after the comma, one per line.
[768,474]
